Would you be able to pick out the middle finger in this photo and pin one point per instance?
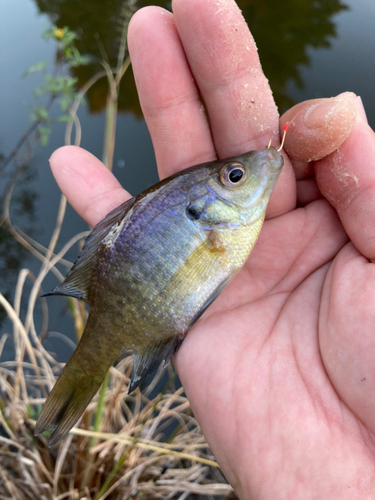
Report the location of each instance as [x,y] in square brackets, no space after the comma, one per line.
[222,61]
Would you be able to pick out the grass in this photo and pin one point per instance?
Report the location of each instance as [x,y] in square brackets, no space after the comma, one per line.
[143,445]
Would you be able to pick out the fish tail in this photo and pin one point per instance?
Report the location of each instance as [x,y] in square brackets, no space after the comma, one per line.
[67,401]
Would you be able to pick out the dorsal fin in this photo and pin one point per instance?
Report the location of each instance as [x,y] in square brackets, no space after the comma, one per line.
[78,279]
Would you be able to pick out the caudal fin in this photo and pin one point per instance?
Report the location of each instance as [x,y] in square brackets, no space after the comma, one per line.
[68,399]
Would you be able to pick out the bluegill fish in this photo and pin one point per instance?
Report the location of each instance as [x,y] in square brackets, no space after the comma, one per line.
[152,267]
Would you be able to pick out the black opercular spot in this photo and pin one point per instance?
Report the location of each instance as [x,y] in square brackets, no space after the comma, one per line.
[236,175]
[193,213]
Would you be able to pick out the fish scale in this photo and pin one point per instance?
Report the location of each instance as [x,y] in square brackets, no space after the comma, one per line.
[152,267]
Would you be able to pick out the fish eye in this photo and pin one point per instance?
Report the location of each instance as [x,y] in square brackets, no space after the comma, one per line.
[233,174]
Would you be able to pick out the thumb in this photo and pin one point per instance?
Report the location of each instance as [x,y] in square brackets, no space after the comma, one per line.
[318,127]
[346,178]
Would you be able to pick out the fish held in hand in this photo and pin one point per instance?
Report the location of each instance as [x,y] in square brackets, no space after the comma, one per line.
[152,267]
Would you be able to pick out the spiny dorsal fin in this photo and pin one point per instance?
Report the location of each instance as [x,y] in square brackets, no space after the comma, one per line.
[78,279]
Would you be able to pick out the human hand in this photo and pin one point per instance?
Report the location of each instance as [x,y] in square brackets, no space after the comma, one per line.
[279,371]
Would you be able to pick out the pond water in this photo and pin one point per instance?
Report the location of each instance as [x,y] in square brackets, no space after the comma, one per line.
[309,49]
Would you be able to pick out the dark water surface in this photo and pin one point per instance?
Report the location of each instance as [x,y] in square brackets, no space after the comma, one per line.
[309,49]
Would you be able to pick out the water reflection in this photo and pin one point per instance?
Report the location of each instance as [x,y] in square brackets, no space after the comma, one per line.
[22,197]
[99,26]
[284,32]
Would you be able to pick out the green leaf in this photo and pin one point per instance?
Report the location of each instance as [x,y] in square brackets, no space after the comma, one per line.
[34,68]
[40,90]
[79,60]
[68,38]
[54,84]
[41,112]
[49,32]
[65,102]
[70,82]
[65,118]
[45,132]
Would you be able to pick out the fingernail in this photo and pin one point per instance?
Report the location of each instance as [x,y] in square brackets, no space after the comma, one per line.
[319,115]
[360,109]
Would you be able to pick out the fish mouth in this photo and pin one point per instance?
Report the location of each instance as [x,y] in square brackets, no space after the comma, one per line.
[277,160]
[275,169]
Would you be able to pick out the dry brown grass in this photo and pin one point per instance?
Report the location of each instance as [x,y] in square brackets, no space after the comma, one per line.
[146,445]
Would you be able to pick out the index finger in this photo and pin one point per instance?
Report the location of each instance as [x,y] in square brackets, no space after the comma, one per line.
[223,58]
[211,52]
[91,189]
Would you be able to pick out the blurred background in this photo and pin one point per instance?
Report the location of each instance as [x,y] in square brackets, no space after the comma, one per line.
[308,49]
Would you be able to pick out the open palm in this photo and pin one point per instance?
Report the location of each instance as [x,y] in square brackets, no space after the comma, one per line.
[280,370]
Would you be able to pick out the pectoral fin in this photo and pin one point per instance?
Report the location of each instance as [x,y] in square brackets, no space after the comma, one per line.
[147,361]
[210,299]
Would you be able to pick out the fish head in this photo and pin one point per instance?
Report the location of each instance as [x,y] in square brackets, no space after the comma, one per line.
[237,190]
